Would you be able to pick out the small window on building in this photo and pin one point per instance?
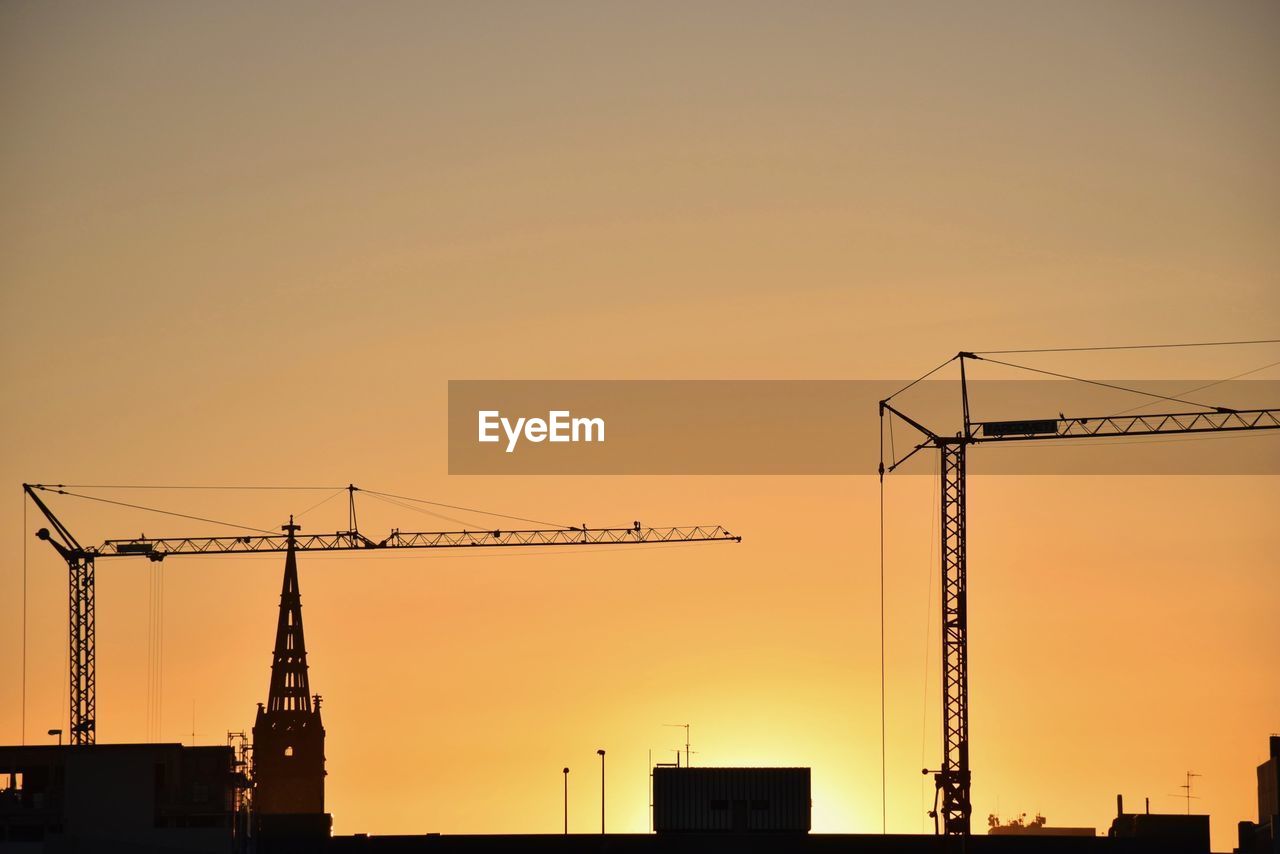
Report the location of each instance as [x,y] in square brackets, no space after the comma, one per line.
[288,751]
[10,781]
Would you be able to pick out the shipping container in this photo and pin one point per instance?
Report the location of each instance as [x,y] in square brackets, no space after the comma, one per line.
[738,800]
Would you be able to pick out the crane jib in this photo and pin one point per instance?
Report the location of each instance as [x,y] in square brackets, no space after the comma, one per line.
[160,548]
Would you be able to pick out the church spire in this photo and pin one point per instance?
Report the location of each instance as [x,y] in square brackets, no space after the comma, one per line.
[288,736]
[290,689]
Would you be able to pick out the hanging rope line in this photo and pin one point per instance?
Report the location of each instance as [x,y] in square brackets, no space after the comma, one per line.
[149,509]
[154,605]
[63,489]
[920,379]
[467,509]
[930,576]
[160,654]
[884,779]
[196,487]
[1087,442]
[64,709]
[1128,347]
[893,450]
[1103,384]
[464,523]
[1206,385]
[24,619]
[151,649]
[321,503]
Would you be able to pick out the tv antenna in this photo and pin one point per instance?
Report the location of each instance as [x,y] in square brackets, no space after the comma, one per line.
[1186,794]
[687,752]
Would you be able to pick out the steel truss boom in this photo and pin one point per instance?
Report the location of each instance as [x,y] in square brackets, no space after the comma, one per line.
[81,564]
[953,802]
[1224,421]
[160,548]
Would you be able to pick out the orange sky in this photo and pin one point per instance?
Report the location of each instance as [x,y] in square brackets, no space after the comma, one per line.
[241,245]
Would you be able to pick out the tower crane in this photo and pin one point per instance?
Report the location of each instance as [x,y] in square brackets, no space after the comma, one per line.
[953,780]
[81,561]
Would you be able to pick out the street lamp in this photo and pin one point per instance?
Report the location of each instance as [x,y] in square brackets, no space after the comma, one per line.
[566,802]
[58,733]
[601,752]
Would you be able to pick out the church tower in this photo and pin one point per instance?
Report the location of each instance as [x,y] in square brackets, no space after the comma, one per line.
[288,737]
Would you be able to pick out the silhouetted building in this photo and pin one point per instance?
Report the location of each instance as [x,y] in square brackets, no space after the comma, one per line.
[1263,837]
[737,843]
[1172,832]
[119,797]
[288,736]
[1035,827]
[739,800]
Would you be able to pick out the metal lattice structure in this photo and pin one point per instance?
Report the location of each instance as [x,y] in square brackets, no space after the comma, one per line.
[81,568]
[953,801]
[953,780]
[84,655]
[1218,421]
[159,548]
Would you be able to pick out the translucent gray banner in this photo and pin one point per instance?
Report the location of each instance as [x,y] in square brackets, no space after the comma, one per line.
[808,427]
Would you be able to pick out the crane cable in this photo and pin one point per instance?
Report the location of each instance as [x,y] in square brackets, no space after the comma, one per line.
[24,620]
[1127,347]
[151,649]
[465,524]
[62,489]
[466,509]
[56,489]
[1207,385]
[928,632]
[160,651]
[920,379]
[320,503]
[884,787]
[1103,384]
[159,724]
[155,652]
[188,486]
[64,702]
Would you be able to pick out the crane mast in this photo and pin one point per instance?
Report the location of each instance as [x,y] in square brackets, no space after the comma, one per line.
[953,806]
[81,561]
[953,779]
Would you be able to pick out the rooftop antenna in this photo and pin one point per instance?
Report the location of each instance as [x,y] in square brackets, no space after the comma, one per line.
[1186,787]
[193,723]
[687,751]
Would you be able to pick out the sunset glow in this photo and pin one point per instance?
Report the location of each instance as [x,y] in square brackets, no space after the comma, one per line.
[248,245]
